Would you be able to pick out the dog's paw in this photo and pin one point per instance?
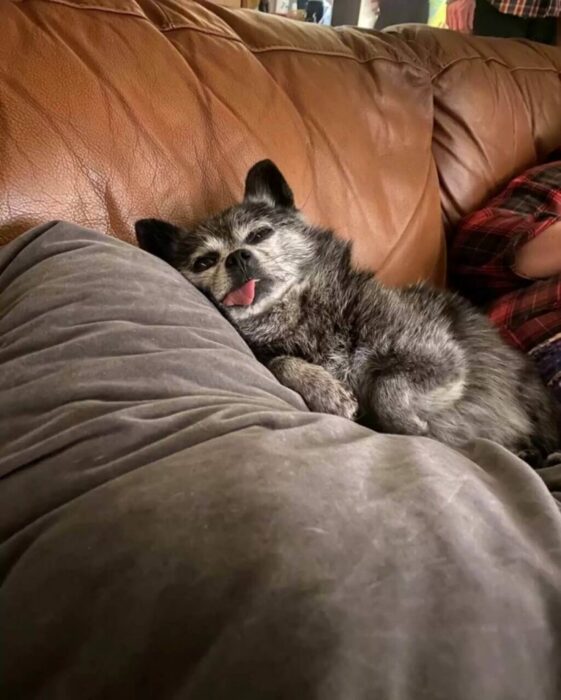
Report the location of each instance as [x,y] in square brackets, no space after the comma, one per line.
[321,391]
[336,400]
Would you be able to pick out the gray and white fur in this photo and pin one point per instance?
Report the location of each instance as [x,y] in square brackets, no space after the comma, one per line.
[415,361]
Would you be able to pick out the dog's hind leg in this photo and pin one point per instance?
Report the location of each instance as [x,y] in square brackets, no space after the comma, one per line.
[412,391]
[393,406]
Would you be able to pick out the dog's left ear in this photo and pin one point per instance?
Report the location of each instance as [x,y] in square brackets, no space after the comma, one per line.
[159,238]
[265,183]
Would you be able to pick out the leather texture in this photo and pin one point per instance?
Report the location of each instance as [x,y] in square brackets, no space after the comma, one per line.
[112,110]
[497,107]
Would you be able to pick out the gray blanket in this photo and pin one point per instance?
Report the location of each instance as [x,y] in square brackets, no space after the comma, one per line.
[176,524]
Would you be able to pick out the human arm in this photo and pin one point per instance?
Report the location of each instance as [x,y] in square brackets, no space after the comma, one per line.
[460,15]
[540,257]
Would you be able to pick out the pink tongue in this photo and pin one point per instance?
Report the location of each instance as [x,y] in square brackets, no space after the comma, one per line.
[243,296]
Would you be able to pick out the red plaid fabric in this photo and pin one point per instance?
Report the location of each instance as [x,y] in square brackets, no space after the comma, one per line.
[527,312]
[529,8]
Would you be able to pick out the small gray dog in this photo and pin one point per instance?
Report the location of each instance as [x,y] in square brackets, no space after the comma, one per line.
[416,361]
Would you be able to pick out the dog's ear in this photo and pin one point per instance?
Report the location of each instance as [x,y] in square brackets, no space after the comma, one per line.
[265,183]
[159,238]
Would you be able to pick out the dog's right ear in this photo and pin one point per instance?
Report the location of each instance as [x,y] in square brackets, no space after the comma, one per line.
[159,238]
[265,183]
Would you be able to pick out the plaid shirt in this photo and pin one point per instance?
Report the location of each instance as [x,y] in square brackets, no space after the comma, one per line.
[527,312]
[528,8]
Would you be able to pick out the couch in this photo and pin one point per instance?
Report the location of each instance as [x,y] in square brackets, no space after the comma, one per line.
[175,523]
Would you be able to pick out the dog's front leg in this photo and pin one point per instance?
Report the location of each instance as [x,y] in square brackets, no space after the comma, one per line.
[321,391]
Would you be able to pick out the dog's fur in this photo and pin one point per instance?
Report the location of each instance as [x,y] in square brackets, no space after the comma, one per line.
[416,361]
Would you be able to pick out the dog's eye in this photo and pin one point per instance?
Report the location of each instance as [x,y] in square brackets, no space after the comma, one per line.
[205,262]
[259,235]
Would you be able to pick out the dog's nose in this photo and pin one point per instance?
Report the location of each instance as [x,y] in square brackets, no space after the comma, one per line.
[238,258]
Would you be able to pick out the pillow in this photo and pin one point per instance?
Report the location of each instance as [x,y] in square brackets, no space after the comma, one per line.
[176,524]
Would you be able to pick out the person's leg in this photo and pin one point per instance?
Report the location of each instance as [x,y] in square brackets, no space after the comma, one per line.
[488,21]
[402,12]
[419,11]
[544,30]
[314,11]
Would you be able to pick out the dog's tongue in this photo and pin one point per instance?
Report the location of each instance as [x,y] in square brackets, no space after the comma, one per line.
[243,296]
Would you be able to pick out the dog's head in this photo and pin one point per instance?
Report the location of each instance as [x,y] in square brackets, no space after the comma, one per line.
[245,258]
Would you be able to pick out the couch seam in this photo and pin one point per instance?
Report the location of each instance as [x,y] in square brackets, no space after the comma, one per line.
[111,10]
[189,27]
[239,40]
[296,49]
[511,69]
[332,54]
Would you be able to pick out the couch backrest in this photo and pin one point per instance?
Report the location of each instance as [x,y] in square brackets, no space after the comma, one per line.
[113,110]
[497,111]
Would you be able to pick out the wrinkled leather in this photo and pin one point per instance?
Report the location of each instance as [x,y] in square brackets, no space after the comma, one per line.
[111,110]
[497,111]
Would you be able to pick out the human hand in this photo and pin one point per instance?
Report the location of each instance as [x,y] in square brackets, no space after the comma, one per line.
[540,257]
[460,14]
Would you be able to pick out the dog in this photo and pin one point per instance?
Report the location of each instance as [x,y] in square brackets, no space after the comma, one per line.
[413,361]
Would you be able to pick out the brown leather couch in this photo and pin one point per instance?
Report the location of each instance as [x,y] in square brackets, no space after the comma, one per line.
[173,522]
[113,110]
